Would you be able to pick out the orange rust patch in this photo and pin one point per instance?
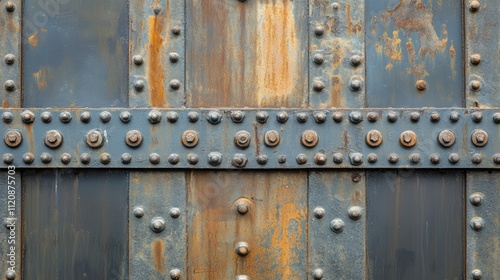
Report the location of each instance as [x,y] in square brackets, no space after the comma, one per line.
[453,55]
[33,39]
[158,249]
[156,72]
[336,92]
[41,77]
[389,66]
[5,103]
[392,46]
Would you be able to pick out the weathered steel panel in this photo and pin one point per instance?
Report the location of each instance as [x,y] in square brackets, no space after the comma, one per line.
[157,39]
[337,225]
[246,53]
[336,67]
[75,53]
[156,255]
[267,210]
[10,46]
[414,53]
[75,224]
[482,225]
[415,225]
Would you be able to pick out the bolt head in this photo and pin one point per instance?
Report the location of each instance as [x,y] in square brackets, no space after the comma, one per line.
[8,158]
[302,117]
[435,117]
[446,138]
[105,116]
[374,138]
[125,116]
[335,6]
[176,30]
[415,158]
[320,117]
[242,139]
[262,117]
[45,158]
[477,158]
[272,138]
[46,117]
[337,225]
[309,138]
[355,117]
[13,138]
[477,223]
[408,139]
[10,85]
[475,59]
[53,139]
[282,117]
[496,118]
[479,138]
[10,275]
[27,116]
[173,57]
[7,117]
[477,117]
[242,249]
[139,212]
[319,58]
[392,117]
[282,159]
[154,117]
[28,158]
[193,117]
[337,117]
[421,85]
[372,117]
[237,116]
[243,208]
[175,212]
[496,158]
[239,160]
[10,59]
[476,199]
[214,158]
[138,60]
[415,116]
[172,117]
[133,138]
[214,117]
[157,224]
[356,158]
[301,159]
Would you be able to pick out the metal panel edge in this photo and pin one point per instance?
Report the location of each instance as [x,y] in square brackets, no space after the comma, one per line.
[10,44]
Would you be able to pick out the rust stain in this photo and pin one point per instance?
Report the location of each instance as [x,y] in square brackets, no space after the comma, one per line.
[257,140]
[453,55]
[336,92]
[349,20]
[389,66]
[158,249]
[356,197]
[41,77]
[418,67]
[392,46]
[33,39]
[156,71]
[5,103]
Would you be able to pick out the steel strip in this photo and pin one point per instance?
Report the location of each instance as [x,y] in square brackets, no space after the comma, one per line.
[157,53]
[336,54]
[10,44]
[483,225]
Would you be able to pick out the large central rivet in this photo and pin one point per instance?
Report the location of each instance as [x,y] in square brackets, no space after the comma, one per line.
[446,138]
[13,138]
[190,138]
[272,138]
[408,139]
[479,137]
[309,138]
[157,224]
[94,139]
[242,139]
[53,139]
[133,138]
[242,249]
[374,138]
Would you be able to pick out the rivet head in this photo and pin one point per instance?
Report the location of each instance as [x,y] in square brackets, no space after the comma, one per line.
[392,117]
[176,30]
[175,212]
[496,158]
[421,85]
[85,158]
[476,158]
[282,159]
[214,117]
[302,117]
[319,30]
[154,158]
[65,117]
[301,159]
[475,59]
[10,59]
[446,138]
[94,139]
[356,158]
[7,117]
[237,116]
[476,199]
[319,58]
[239,160]
[10,275]
[415,158]
[309,138]
[475,85]
[454,117]
[408,139]
[85,117]
[172,117]
[242,249]
[262,159]
[282,117]
[154,117]
[157,224]
[356,177]
[479,138]
[320,159]
[476,274]
[242,139]
[355,117]
[374,138]
[319,212]
[105,116]
[415,116]
[335,6]
[125,116]
[175,84]
[337,117]
[53,139]
[173,57]
[242,277]
[45,158]
[372,158]
[272,138]
[242,207]
[355,84]
[13,138]
[214,158]
[46,117]
[65,158]
[10,7]
[338,158]
[496,118]
[477,223]
[318,86]
[474,6]
[318,274]
[175,274]
[138,60]
[337,225]
[393,158]
[8,158]
[355,212]
[28,158]
[356,60]
[139,85]
[192,159]
[193,117]
[453,158]
[133,138]
[435,117]
[10,85]
[477,117]
[320,117]
[126,158]
[372,117]
[139,212]
[173,159]
[28,116]
[262,117]
[157,10]
[105,158]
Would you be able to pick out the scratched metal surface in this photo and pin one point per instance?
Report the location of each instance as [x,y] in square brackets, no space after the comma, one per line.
[407,41]
[10,38]
[75,53]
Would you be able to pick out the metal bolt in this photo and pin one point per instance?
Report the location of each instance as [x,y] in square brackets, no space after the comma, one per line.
[154,158]
[475,59]
[476,274]
[28,158]
[85,158]
[435,158]
[105,116]
[10,275]
[46,117]
[173,57]
[214,158]
[496,118]
[8,158]
[338,158]
[301,159]
[126,158]
[477,223]
[372,158]
[10,7]
[337,117]
[53,139]
[242,139]
[372,117]
[193,159]
[282,159]
[421,85]
[94,139]
[13,138]
[476,199]
[10,85]
[302,117]
[262,159]
[435,117]
[374,138]
[45,158]
[176,30]
[319,58]
[356,158]
[392,117]
[320,117]
[337,225]
[446,138]
[475,85]
[175,84]
[175,274]
[133,138]
[355,212]
[356,60]
[242,249]
[10,59]
[175,212]
[105,158]
[320,159]
[282,117]
[415,158]
[319,212]
[214,117]
[154,117]
[157,224]
[173,159]
[28,116]
[474,6]
[393,158]
[454,158]
[138,60]
[318,86]
[272,138]
[190,138]
[309,138]
[7,117]
[239,160]
[85,117]
[237,116]
[477,117]
[496,158]
[408,139]
[125,116]
[355,117]
[193,117]
[139,212]
[65,117]
[479,138]
[476,158]
[172,117]
[139,85]
[318,274]
[319,30]
[262,117]
[65,158]
[454,117]
[242,207]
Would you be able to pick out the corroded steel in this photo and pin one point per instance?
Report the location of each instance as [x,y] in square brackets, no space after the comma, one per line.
[10,56]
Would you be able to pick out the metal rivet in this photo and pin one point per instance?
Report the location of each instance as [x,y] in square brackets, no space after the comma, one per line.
[8,158]
[476,158]
[190,138]
[46,117]
[176,30]
[10,85]
[415,116]
[355,212]
[415,158]
[138,60]
[175,212]
[374,138]
[154,117]
[214,158]
[242,249]
[421,85]
[157,224]
[193,117]
[372,158]
[45,158]
[262,117]
[435,117]
[126,158]
[320,159]
[476,199]
[94,139]
[7,117]
[454,117]
[173,57]
[175,84]
[10,275]
[477,117]
[133,138]
[239,160]
[262,159]
[192,159]
[214,117]
[154,158]
[496,118]
[355,84]
[65,117]
[318,86]
[85,158]
[477,223]
[318,274]
[10,59]
[372,117]
[479,138]
[475,59]
[53,139]
[175,274]
[242,139]
[392,117]
[172,117]
[393,158]
[282,159]
[454,158]
[446,138]
[139,85]
[338,158]
[319,30]
[337,117]
[85,117]
[302,117]
[496,158]
[139,212]
[282,117]
[65,158]
[157,10]
[335,6]
[10,7]
[13,138]
[125,116]
[355,117]
[475,85]
[237,116]
[356,60]
[242,207]
[301,159]
[28,116]
[242,277]
[319,212]
[337,225]
[173,159]
[272,138]
[309,138]
[356,177]
[476,274]
[408,139]
[319,58]
[474,6]
[356,158]
[105,158]
[105,116]
[435,158]
[320,117]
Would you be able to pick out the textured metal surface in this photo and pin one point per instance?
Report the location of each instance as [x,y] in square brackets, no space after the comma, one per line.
[274,227]
[344,144]
[483,245]
[75,224]
[336,36]
[339,255]
[10,54]
[415,225]
[482,37]
[159,195]
[408,41]
[157,53]
[75,53]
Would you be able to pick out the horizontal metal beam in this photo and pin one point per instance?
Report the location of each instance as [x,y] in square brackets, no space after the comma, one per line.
[252,139]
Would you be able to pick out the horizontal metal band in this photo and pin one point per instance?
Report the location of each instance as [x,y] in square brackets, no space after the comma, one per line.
[252,139]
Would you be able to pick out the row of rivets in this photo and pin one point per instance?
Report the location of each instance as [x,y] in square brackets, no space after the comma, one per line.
[9,59]
[475,59]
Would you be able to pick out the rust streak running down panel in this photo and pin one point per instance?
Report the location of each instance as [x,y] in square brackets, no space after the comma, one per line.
[275,226]
[251,53]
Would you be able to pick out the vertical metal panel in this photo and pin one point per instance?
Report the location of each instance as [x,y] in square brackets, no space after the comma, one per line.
[75,224]
[483,246]
[75,53]
[338,255]
[336,34]
[275,226]
[408,41]
[415,225]
[10,45]
[482,37]
[154,255]
[246,53]
[153,30]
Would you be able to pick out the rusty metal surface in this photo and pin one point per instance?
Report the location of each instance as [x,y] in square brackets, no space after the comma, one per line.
[10,55]
[336,54]
[415,225]
[75,224]
[75,53]
[157,47]
[246,53]
[338,253]
[412,43]
[274,227]
[482,53]
[482,200]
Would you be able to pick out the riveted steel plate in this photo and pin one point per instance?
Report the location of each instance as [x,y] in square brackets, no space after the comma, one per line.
[10,53]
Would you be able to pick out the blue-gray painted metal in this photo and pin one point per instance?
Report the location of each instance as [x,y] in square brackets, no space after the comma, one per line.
[10,45]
